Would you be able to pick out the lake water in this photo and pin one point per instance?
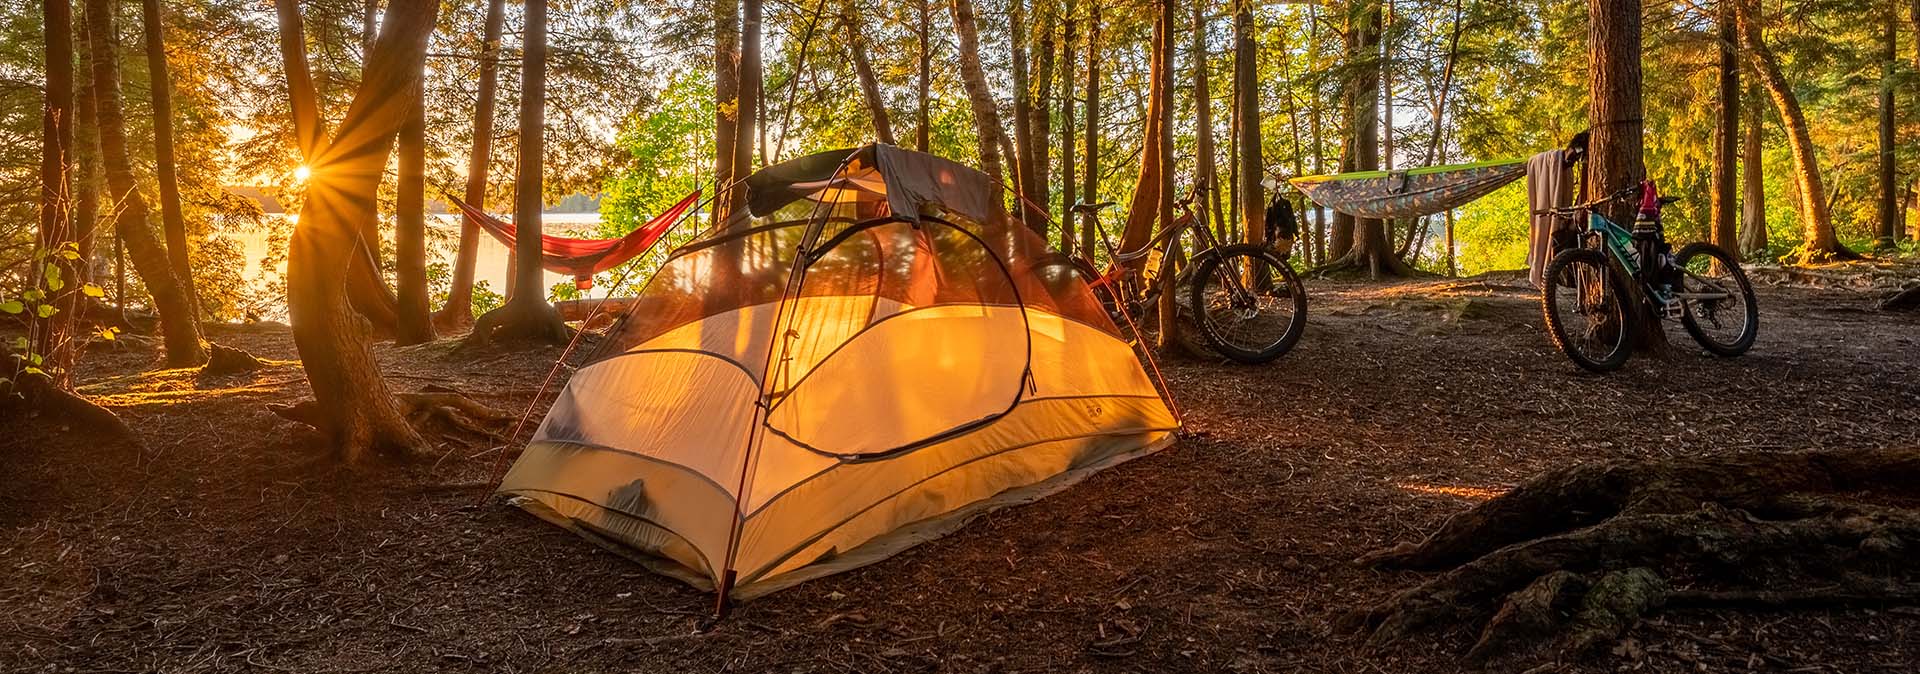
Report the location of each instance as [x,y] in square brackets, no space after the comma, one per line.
[260,245]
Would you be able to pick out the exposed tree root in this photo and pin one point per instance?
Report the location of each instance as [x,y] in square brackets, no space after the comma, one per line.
[36,394]
[1570,561]
[1905,300]
[1373,265]
[437,410]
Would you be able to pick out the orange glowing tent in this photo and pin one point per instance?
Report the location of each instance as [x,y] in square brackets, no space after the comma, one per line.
[868,355]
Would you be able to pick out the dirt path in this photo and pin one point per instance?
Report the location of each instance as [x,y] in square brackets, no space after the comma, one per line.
[221,547]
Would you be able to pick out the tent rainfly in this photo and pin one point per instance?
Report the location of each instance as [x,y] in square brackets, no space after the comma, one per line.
[868,355]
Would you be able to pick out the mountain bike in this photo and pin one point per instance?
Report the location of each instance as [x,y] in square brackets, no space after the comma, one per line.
[1246,300]
[1586,303]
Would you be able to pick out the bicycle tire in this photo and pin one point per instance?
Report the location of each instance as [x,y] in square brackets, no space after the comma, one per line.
[1688,320]
[1556,324]
[1215,330]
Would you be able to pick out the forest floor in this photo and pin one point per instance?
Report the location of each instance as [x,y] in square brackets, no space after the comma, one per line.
[226,544]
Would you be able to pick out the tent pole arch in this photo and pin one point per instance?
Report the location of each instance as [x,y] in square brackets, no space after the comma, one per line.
[783,321]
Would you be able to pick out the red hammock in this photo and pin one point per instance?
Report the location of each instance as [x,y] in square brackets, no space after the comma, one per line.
[585,257]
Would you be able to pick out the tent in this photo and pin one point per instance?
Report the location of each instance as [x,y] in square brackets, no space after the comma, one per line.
[870,353]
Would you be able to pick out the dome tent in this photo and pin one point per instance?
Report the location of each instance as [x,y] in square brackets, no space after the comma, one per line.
[869,354]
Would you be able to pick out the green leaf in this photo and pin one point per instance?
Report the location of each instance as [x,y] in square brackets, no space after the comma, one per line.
[91,290]
[34,359]
[20,343]
[71,255]
[52,272]
[46,310]
[33,295]
[106,334]
[12,307]
[35,370]
[54,284]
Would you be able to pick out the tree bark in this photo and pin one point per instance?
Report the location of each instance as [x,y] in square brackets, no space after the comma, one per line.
[173,222]
[1818,239]
[1614,115]
[923,118]
[1725,135]
[726,94]
[1143,210]
[1246,102]
[1163,80]
[1368,248]
[986,115]
[1069,194]
[357,412]
[1090,180]
[178,325]
[1888,212]
[527,315]
[414,326]
[869,84]
[458,311]
[1206,160]
[1753,188]
[1040,119]
[52,336]
[752,106]
[1024,168]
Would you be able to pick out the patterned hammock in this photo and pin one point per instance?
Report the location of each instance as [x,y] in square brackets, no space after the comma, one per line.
[585,257]
[1410,193]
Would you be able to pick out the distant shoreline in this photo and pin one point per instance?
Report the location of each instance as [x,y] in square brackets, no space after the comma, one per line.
[264,195]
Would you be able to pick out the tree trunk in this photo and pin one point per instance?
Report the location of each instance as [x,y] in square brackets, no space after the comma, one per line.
[986,115]
[1024,168]
[86,158]
[1368,248]
[869,84]
[1614,114]
[1818,239]
[1725,135]
[527,315]
[1163,81]
[178,325]
[357,412]
[1143,210]
[1888,212]
[1206,161]
[173,221]
[1069,194]
[752,96]
[1322,247]
[458,311]
[1246,103]
[52,336]
[1040,120]
[1753,188]
[922,117]
[1090,180]
[414,326]
[726,94]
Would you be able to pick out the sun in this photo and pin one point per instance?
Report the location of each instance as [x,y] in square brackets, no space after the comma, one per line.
[302,173]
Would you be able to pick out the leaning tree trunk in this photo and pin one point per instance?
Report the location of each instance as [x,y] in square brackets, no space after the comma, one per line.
[179,327]
[1818,240]
[173,222]
[1753,188]
[458,311]
[355,408]
[52,335]
[1725,135]
[527,315]
[986,115]
[1569,561]
[863,68]
[414,326]
[1143,210]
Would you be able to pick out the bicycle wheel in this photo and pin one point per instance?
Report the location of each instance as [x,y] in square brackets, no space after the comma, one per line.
[1248,303]
[1586,311]
[1719,309]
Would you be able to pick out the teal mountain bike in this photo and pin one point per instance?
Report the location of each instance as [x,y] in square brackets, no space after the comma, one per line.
[1586,300]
